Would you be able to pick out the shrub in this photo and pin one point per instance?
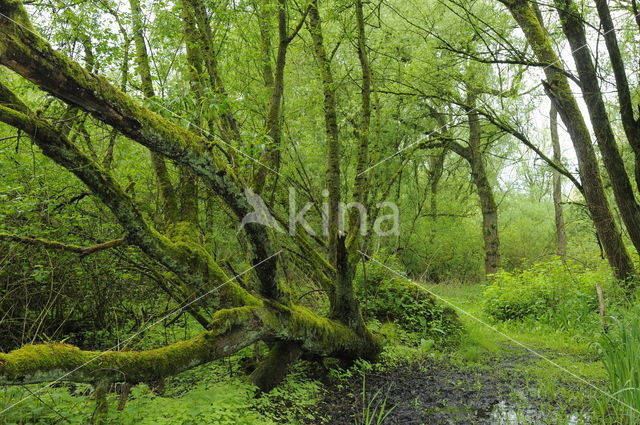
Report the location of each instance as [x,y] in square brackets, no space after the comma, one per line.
[556,292]
[388,298]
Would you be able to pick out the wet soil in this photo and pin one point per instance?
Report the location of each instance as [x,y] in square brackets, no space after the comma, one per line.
[437,392]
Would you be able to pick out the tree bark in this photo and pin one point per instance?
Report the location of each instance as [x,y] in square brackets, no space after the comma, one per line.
[561,235]
[485,192]
[630,124]
[331,127]
[231,329]
[557,87]
[271,155]
[33,58]
[344,306]
[360,180]
[227,124]
[574,30]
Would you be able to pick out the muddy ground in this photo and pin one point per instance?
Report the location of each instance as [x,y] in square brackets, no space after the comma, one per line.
[437,392]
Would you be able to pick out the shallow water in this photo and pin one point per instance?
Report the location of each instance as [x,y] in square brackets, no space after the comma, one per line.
[503,413]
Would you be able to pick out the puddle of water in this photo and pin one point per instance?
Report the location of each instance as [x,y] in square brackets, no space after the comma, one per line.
[505,414]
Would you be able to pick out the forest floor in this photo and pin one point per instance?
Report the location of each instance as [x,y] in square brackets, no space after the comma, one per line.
[505,376]
[497,374]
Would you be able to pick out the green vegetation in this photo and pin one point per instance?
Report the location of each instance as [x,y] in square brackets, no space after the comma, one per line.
[319,212]
[375,410]
[559,293]
[619,354]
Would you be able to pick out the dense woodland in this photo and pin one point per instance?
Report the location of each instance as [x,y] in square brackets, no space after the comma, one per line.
[323,212]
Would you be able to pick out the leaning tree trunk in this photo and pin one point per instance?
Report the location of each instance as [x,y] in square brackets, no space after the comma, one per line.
[557,87]
[246,315]
[574,30]
[630,124]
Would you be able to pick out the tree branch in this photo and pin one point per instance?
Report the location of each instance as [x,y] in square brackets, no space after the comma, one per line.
[32,57]
[61,246]
[230,331]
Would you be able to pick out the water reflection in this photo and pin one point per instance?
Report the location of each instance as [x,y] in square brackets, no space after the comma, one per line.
[506,414]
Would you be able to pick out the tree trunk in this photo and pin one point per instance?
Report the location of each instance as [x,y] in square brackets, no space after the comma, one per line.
[344,306]
[271,155]
[331,128]
[275,367]
[630,124]
[226,122]
[573,28]
[561,236]
[231,330]
[485,193]
[557,87]
[28,55]
[356,226]
[168,203]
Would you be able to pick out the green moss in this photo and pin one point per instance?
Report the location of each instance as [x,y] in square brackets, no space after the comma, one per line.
[42,359]
[319,334]
[410,306]
[232,330]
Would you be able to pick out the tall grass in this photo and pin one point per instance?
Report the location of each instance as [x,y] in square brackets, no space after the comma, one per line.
[374,408]
[621,358]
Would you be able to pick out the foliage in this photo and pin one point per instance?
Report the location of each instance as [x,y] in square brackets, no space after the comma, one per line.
[427,62]
[374,406]
[206,395]
[620,348]
[37,406]
[223,403]
[388,298]
[290,401]
[557,292]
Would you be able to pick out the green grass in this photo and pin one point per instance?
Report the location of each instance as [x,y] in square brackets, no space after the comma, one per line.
[575,358]
[621,353]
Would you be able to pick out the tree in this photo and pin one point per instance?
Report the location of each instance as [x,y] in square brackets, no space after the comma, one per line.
[557,87]
[573,27]
[561,235]
[244,315]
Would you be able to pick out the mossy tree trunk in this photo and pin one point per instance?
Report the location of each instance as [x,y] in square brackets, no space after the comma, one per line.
[331,130]
[574,30]
[630,123]
[226,122]
[166,192]
[344,305]
[557,87]
[472,153]
[244,316]
[274,81]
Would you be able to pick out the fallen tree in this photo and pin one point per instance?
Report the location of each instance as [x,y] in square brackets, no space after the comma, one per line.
[231,330]
[259,308]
